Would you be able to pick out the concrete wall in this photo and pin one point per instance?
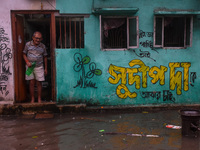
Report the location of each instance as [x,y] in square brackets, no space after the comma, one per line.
[107,88]
[6,60]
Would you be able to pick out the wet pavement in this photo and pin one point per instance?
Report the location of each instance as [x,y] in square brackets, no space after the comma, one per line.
[95,131]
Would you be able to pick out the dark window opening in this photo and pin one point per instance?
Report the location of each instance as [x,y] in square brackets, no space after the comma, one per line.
[119,32]
[158,33]
[174,32]
[69,32]
[114,33]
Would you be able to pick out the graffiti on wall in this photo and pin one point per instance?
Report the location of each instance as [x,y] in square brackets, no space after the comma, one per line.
[142,54]
[80,65]
[5,57]
[179,80]
[3,36]
[193,76]
[153,94]
[167,95]
[145,44]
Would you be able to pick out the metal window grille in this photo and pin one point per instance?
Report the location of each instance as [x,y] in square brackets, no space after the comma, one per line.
[119,32]
[69,32]
[173,31]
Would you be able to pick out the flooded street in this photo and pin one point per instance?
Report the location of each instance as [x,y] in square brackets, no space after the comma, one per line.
[98,131]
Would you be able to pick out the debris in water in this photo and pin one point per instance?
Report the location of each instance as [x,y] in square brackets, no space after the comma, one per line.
[93,119]
[129,134]
[101,130]
[173,126]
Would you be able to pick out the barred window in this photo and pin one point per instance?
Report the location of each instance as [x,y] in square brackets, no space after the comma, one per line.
[173,31]
[69,32]
[119,32]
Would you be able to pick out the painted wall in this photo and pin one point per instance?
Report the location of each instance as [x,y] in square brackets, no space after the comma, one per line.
[178,70]
[6,51]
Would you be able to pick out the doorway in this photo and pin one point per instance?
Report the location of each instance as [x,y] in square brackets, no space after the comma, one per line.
[24,24]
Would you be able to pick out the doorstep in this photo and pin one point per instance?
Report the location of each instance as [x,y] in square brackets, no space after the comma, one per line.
[53,107]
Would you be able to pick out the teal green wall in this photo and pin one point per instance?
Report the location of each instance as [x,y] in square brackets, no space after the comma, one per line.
[104,92]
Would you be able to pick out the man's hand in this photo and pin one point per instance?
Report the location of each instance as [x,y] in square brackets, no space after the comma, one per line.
[28,64]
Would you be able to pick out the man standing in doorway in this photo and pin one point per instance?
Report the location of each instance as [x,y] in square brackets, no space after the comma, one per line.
[35,51]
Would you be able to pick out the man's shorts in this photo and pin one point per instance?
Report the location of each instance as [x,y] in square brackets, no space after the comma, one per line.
[37,74]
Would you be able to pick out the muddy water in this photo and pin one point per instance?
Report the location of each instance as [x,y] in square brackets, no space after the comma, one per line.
[99,131]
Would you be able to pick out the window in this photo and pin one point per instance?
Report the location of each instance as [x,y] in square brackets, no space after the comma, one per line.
[119,33]
[173,32]
[69,32]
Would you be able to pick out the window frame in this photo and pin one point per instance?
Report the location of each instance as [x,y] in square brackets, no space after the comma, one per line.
[137,32]
[191,31]
[72,16]
[162,42]
[127,34]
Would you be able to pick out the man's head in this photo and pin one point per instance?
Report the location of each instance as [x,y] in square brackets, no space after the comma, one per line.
[37,38]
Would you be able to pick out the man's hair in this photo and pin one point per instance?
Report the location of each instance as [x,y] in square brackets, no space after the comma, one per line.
[36,33]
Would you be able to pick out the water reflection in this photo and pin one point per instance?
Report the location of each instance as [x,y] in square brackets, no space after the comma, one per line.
[190,143]
[79,132]
[25,134]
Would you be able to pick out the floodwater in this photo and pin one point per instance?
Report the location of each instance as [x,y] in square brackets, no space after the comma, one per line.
[98,131]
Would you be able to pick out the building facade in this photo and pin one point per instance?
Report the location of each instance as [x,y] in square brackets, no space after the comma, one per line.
[106,52]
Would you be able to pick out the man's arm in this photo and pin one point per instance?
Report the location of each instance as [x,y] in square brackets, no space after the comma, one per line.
[26,60]
[45,65]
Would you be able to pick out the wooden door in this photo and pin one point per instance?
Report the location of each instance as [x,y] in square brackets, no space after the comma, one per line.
[21,89]
[21,86]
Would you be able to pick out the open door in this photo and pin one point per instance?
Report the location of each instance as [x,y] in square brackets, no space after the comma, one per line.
[24,24]
[19,66]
